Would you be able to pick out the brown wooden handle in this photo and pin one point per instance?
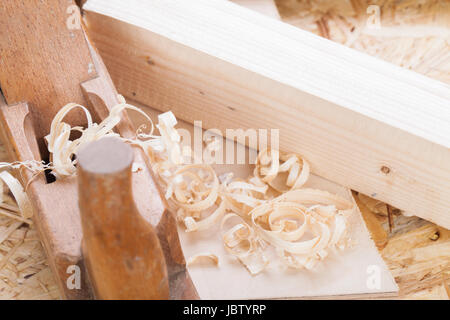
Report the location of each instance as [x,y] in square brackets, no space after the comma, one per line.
[122,251]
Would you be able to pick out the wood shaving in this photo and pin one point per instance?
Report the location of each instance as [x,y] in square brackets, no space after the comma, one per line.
[271,166]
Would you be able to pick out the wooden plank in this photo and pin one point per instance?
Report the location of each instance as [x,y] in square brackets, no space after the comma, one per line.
[245,71]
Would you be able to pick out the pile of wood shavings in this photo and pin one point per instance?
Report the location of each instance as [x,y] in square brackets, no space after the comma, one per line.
[413,34]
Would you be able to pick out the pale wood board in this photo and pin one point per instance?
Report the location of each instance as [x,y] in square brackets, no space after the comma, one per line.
[415,36]
[247,71]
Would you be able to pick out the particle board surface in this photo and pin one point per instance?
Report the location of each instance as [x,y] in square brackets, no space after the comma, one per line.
[341,275]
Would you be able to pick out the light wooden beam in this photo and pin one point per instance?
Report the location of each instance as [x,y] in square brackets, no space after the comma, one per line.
[361,122]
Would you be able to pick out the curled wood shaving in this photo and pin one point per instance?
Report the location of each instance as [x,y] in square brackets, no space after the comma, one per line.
[195,190]
[170,137]
[243,196]
[32,165]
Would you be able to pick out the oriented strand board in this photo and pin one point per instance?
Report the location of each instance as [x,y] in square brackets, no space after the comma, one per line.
[267,7]
[363,123]
[342,275]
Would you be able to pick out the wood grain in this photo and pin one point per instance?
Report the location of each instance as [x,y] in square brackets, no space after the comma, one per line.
[247,71]
[419,259]
[379,235]
[43,61]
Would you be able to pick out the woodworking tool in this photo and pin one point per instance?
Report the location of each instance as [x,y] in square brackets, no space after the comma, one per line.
[47,61]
